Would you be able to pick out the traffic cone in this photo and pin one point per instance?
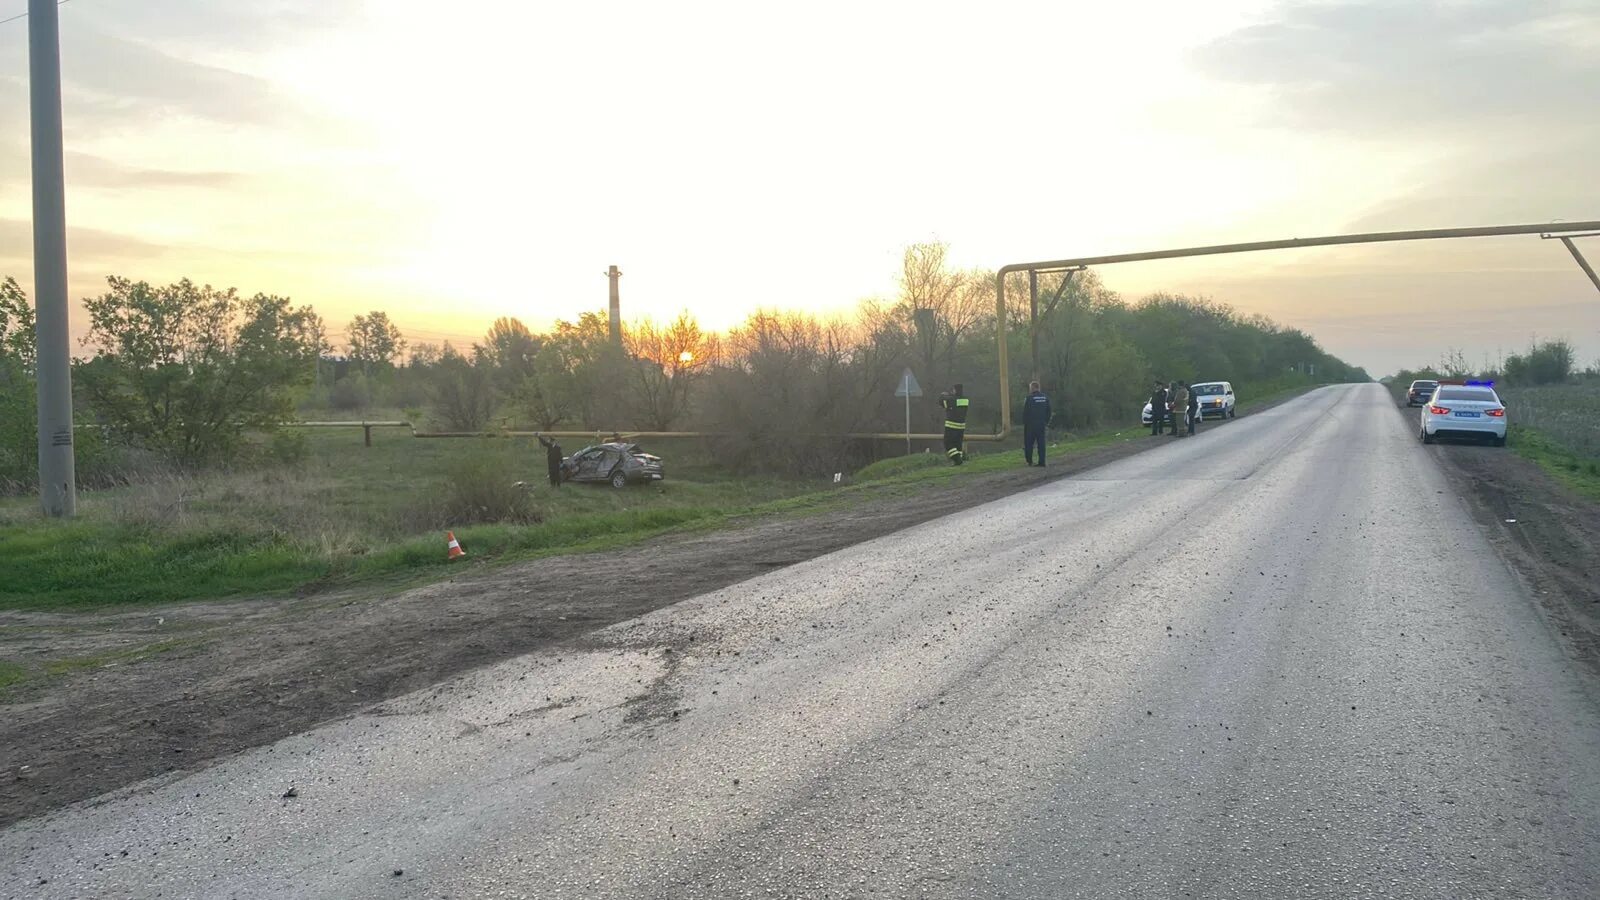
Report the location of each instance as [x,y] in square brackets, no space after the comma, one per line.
[452,546]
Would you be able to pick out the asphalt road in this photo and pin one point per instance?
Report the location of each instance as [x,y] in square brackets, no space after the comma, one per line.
[1274,660]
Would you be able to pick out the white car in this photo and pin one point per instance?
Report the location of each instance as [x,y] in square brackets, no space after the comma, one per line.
[1216,399]
[1470,409]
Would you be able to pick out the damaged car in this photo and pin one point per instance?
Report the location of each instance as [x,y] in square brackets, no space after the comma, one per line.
[618,464]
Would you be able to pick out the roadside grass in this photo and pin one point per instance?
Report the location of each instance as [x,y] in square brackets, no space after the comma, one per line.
[1577,471]
[356,515]
[11,674]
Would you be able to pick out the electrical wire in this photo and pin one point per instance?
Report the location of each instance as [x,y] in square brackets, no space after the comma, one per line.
[25,15]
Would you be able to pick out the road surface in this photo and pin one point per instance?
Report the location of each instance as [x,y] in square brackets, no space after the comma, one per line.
[1273,660]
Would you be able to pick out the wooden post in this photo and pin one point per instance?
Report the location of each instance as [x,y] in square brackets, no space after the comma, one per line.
[367,436]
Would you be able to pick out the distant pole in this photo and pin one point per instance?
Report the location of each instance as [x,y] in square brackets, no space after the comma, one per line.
[613,274]
[53,354]
[908,423]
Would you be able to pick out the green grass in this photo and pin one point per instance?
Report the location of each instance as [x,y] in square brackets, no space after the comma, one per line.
[354,515]
[11,674]
[1577,471]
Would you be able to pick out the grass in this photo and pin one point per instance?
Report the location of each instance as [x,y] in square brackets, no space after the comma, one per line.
[11,674]
[352,514]
[1577,471]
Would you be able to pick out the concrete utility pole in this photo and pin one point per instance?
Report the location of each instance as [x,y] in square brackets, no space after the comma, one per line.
[53,356]
[615,273]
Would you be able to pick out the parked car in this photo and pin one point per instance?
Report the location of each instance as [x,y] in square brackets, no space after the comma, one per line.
[1216,399]
[1420,392]
[1470,409]
[617,464]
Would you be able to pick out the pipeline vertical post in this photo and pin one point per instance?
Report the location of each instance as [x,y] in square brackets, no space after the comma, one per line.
[1582,263]
[53,355]
[613,274]
[1000,335]
[1033,321]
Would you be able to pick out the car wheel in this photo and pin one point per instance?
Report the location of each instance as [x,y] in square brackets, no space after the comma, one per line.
[619,480]
[1233,413]
[1499,441]
[1426,437]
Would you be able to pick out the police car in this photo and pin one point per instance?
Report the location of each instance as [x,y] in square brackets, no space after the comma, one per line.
[1464,409]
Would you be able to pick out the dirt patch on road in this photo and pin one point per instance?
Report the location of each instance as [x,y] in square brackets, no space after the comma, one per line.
[162,689]
[1549,535]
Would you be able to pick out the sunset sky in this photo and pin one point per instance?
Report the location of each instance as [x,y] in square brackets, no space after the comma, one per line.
[455,162]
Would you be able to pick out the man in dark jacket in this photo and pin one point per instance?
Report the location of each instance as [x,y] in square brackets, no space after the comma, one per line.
[1158,408]
[1035,416]
[552,459]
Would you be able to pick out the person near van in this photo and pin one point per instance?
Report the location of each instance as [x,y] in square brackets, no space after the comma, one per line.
[1158,408]
[1035,417]
[1178,403]
[1194,408]
[552,459]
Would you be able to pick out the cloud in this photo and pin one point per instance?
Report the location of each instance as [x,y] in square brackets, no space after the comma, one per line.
[86,170]
[1389,69]
[16,237]
[200,23]
[117,80]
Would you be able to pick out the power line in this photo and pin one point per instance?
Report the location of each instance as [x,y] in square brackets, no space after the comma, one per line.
[25,15]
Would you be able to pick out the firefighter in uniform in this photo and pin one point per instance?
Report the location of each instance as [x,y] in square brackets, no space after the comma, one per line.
[955,405]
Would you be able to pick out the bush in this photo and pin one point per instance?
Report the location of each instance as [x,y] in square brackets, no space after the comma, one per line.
[478,489]
[349,394]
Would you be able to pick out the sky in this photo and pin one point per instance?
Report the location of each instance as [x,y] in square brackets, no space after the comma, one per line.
[455,162]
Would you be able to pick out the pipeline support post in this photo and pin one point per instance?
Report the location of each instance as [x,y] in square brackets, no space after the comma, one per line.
[1582,263]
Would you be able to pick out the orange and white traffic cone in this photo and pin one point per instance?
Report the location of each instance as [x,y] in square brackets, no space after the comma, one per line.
[452,546]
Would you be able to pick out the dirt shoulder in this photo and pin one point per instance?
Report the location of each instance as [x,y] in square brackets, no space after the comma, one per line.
[1547,533]
[162,689]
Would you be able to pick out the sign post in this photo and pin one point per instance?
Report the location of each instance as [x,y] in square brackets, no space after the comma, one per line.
[908,388]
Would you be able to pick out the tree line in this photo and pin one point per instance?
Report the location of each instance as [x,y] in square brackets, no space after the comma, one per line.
[198,376]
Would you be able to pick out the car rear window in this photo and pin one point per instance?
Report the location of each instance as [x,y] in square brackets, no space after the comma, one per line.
[1486,396]
[1423,384]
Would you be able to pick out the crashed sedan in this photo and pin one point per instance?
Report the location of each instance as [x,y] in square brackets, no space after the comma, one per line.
[615,463]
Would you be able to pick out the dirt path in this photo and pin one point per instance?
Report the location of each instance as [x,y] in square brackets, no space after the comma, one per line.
[228,676]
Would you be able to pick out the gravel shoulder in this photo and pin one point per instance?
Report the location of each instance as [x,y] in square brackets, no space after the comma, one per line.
[1547,533]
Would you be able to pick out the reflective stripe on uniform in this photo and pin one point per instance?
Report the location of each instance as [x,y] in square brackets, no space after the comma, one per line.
[962,401]
[959,426]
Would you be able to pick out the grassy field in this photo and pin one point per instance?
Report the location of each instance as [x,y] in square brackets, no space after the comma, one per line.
[1558,427]
[352,514]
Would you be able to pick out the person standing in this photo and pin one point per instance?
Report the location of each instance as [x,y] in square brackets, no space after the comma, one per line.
[1178,403]
[1035,417]
[955,405]
[552,459]
[1194,407]
[1158,408]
